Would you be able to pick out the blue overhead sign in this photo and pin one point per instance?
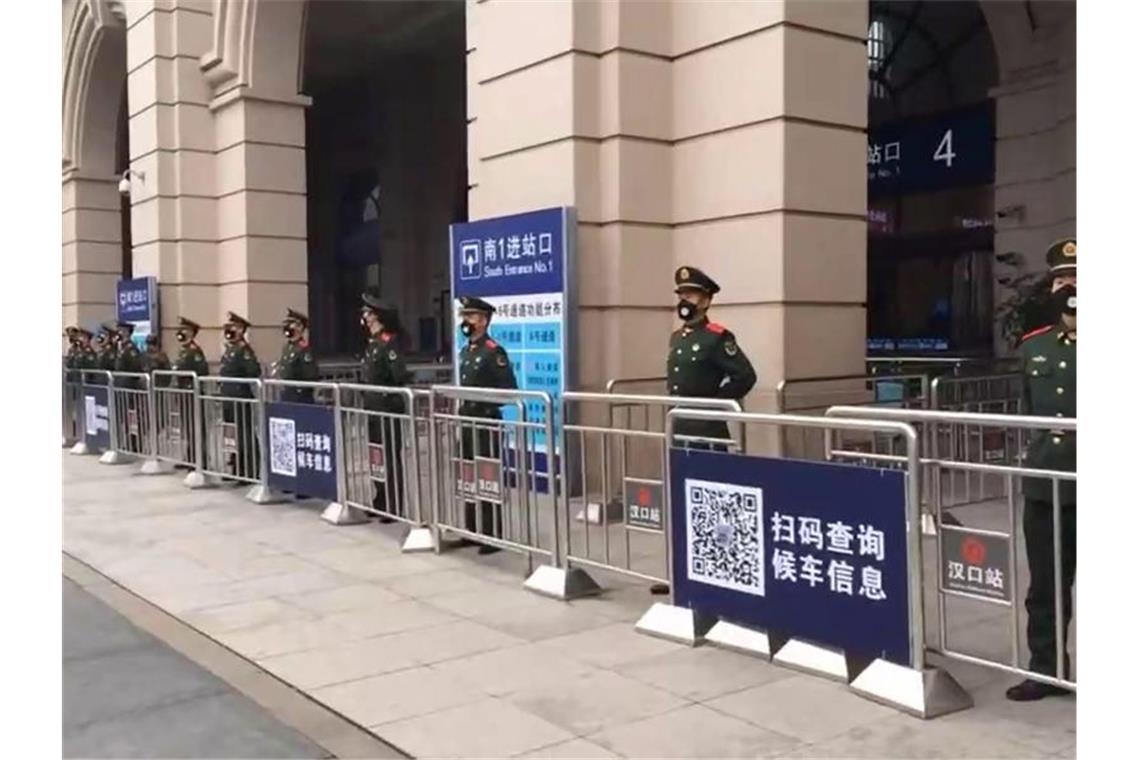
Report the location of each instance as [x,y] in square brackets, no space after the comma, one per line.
[522,265]
[136,301]
[811,550]
[932,153]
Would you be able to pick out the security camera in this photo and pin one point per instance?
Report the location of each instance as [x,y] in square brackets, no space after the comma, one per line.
[125,182]
[1008,211]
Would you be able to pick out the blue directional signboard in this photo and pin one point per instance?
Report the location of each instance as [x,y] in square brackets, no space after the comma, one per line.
[810,550]
[951,149]
[136,301]
[96,417]
[522,265]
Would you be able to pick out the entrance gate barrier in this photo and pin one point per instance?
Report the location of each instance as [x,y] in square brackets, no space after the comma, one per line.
[72,407]
[758,595]
[381,459]
[494,483]
[612,505]
[178,431]
[230,410]
[130,418]
[984,554]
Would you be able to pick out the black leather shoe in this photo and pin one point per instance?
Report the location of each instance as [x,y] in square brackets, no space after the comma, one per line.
[657,589]
[489,550]
[1031,691]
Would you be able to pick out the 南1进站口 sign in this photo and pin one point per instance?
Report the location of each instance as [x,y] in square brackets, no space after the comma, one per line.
[812,550]
[523,265]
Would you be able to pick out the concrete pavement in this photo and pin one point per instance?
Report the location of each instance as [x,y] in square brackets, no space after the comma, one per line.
[430,652]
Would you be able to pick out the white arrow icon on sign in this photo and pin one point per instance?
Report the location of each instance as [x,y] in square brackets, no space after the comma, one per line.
[469,255]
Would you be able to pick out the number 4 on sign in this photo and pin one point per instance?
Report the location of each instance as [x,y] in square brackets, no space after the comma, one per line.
[945,151]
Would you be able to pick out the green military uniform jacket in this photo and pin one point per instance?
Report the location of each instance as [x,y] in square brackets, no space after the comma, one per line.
[296,363]
[484,363]
[156,360]
[128,359]
[239,360]
[85,358]
[191,359]
[706,362]
[1048,362]
[107,359]
[383,364]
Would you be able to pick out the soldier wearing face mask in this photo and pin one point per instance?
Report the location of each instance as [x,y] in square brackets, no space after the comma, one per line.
[483,364]
[704,360]
[383,364]
[239,360]
[106,347]
[1048,359]
[190,358]
[296,362]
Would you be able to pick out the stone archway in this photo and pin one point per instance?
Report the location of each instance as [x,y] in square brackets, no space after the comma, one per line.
[93,88]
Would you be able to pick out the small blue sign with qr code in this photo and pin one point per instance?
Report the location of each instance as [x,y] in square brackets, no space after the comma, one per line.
[302,449]
[811,550]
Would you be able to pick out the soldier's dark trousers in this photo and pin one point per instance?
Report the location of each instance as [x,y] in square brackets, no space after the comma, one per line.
[482,443]
[389,495]
[1037,523]
[245,463]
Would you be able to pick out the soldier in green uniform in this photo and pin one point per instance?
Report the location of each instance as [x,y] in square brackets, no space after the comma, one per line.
[128,358]
[296,362]
[155,359]
[239,360]
[85,357]
[704,359]
[106,348]
[1048,361]
[483,364]
[190,358]
[383,364]
[72,335]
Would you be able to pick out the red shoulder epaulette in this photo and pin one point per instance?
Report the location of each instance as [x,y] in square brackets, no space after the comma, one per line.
[716,327]
[1035,333]
[385,336]
[491,343]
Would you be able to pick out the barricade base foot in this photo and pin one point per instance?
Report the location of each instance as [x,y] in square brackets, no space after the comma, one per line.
[115,457]
[199,480]
[737,638]
[929,527]
[263,494]
[80,449]
[677,624]
[342,514]
[419,539]
[925,694]
[156,467]
[559,583]
[812,658]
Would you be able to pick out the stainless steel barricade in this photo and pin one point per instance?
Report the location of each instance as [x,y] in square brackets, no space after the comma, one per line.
[381,458]
[72,407]
[979,563]
[232,448]
[917,688]
[131,418]
[492,485]
[613,500]
[178,430]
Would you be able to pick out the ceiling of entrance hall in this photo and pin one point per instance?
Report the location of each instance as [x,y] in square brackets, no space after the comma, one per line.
[346,37]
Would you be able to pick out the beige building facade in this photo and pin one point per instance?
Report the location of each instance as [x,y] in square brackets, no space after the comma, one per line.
[731,136]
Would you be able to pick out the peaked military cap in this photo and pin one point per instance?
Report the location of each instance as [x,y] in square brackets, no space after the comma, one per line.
[237,319]
[82,332]
[189,323]
[125,327]
[372,302]
[109,328]
[1062,256]
[472,305]
[152,339]
[691,278]
[70,331]
[292,315]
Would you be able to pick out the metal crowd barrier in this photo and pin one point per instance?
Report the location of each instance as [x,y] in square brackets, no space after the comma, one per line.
[178,431]
[233,422]
[131,417]
[382,460]
[72,407]
[997,583]
[918,689]
[490,483]
[613,504]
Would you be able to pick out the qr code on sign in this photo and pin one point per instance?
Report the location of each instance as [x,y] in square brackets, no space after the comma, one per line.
[724,526]
[283,447]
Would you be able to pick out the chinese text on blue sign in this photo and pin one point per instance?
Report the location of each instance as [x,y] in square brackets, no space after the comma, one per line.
[521,264]
[811,550]
[136,301]
[302,449]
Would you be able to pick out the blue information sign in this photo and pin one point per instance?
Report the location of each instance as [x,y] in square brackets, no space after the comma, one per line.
[810,550]
[931,153]
[302,449]
[521,264]
[96,418]
[136,301]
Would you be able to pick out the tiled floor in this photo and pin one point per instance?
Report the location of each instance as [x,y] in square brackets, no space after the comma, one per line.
[448,656]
